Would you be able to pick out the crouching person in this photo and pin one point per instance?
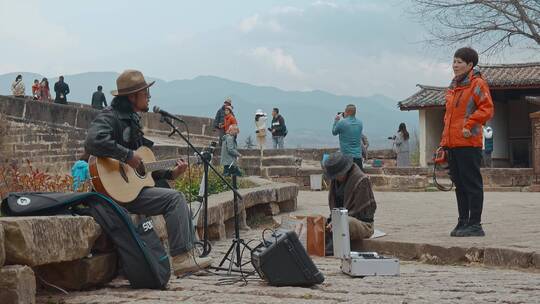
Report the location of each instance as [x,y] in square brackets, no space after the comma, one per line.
[350,188]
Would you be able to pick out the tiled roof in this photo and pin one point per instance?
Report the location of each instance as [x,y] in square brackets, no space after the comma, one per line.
[428,96]
[499,76]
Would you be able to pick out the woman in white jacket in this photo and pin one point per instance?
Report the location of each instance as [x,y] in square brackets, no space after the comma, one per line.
[401,146]
[260,128]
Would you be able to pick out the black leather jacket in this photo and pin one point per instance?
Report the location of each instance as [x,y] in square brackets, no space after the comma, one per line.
[116,132]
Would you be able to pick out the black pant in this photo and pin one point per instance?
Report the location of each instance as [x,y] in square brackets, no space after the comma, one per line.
[358,162]
[465,173]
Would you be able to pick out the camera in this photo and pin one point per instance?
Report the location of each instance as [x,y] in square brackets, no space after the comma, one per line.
[208,152]
[392,137]
[340,113]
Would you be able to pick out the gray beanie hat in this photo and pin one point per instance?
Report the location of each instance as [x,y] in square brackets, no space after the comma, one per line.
[337,164]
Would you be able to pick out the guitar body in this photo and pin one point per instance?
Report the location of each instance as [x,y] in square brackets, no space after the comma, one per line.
[118,180]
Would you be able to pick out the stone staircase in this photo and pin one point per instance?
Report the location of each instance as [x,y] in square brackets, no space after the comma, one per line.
[273,163]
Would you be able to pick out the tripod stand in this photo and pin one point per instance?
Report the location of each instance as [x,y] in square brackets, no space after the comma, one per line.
[234,254]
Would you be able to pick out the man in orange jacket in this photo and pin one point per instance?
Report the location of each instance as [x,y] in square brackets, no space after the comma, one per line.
[468,107]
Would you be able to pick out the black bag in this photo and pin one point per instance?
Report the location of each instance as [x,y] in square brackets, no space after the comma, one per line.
[144,260]
[285,262]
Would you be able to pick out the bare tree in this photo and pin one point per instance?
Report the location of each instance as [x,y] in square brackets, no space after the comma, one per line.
[496,24]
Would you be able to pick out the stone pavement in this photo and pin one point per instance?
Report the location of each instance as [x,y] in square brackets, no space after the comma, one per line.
[510,222]
[418,283]
[510,219]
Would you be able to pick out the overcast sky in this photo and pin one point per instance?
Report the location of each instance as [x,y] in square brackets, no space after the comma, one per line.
[357,48]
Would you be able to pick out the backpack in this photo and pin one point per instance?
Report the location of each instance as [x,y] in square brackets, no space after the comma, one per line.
[143,258]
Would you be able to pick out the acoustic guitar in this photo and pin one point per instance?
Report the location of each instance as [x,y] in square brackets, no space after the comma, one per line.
[121,182]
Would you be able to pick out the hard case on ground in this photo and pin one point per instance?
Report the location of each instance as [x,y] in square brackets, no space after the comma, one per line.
[285,262]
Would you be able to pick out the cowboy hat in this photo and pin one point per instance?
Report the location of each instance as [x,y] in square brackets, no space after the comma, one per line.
[337,164]
[129,82]
[260,112]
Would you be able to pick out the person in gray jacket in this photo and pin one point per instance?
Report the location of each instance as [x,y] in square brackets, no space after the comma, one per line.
[229,152]
[401,146]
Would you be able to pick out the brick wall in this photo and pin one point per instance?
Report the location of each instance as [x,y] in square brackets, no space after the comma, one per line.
[52,136]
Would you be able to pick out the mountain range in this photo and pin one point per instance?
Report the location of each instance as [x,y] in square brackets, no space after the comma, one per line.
[308,114]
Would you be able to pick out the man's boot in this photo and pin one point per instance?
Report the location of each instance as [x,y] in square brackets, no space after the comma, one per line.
[189,262]
[460,225]
[471,230]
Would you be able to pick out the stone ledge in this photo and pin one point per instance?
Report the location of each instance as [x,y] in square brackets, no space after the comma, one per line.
[17,285]
[39,240]
[442,255]
[2,247]
[221,206]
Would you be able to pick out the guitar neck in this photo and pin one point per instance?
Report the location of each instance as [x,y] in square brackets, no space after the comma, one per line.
[160,165]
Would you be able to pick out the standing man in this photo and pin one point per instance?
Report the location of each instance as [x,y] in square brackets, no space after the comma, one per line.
[117,133]
[349,130]
[278,129]
[17,87]
[98,99]
[61,89]
[219,120]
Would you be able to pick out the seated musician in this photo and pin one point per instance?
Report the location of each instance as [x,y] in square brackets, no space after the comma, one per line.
[116,133]
[350,188]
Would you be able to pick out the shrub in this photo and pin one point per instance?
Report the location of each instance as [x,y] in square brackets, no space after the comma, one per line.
[189,182]
[29,179]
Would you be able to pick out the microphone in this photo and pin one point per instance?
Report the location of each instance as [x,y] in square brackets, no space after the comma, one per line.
[166,114]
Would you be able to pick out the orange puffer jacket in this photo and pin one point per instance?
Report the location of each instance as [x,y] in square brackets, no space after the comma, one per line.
[468,105]
[229,121]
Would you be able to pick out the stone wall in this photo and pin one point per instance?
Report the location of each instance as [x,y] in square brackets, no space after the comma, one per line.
[52,136]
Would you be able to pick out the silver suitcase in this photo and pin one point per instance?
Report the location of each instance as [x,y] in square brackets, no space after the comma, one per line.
[358,264]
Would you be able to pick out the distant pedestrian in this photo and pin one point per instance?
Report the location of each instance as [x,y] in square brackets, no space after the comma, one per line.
[220,118]
[401,146]
[98,99]
[349,129]
[229,119]
[365,146]
[229,152]
[487,133]
[278,129]
[260,128]
[35,89]
[17,87]
[62,90]
[44,90]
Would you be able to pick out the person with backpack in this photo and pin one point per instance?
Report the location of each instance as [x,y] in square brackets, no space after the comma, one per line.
[117,133]
[278,129]
[468,107]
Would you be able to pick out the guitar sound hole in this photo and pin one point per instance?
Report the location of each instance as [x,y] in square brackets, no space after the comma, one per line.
[141,171]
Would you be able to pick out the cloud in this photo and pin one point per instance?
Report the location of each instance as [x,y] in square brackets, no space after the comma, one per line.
[325,4]
[254,22]
[286,10]
[277,59]
[23,24]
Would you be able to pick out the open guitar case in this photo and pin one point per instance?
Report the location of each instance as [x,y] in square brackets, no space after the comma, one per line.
[144,260]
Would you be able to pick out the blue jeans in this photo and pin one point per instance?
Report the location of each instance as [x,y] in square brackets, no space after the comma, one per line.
[278,142]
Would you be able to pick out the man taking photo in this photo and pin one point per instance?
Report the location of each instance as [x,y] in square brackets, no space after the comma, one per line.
[349,130]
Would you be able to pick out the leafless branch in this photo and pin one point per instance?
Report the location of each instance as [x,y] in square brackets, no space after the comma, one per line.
[496,24]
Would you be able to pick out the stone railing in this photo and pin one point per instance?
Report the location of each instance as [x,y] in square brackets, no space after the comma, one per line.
[52,136]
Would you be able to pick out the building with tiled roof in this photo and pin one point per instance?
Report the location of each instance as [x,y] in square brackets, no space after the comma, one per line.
[515,89]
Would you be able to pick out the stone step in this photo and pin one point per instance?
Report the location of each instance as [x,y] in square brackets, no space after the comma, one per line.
[398,182]
[254,161]
[279,171]
[17,285]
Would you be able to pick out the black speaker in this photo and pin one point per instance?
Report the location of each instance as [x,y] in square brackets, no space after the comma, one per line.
[285,262]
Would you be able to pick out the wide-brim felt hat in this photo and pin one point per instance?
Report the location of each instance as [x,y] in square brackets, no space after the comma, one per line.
[129,82]
[337,164]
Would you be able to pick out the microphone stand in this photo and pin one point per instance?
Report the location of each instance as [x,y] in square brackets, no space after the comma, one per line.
[234,249]
[206,162]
